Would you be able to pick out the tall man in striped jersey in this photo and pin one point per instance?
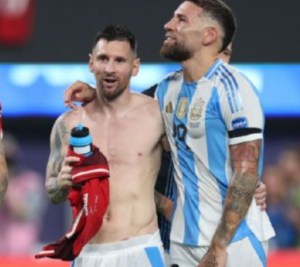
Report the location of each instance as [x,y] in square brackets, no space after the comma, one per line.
[3,166]
[214,124]
[216,134]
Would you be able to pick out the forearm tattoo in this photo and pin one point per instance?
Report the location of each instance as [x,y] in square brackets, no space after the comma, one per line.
[245,159]
[58,140]
[211,261]
[3,174]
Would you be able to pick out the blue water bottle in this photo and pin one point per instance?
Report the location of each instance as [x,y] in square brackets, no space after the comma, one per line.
[81,140]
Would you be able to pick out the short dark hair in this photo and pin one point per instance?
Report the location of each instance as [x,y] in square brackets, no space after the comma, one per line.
[223,14]
[114,32]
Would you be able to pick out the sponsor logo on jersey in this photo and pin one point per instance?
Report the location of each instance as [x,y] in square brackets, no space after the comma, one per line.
[85,204]
[197,109]
[182,108]
[240,123]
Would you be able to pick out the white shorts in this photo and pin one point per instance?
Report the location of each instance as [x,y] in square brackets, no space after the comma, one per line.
[146,251]
[248,252]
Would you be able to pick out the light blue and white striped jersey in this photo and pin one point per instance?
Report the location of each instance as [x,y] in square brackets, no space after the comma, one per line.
[202,120]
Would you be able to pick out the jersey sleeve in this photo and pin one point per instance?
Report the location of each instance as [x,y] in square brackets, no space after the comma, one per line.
[241,110]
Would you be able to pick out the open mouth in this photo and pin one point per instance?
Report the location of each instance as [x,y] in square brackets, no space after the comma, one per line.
[110,82]
[169,39]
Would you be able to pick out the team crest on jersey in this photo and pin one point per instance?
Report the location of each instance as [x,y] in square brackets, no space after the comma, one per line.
[182,108]
[197,109]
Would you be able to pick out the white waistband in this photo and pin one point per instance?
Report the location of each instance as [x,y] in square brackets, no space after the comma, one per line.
[139,241]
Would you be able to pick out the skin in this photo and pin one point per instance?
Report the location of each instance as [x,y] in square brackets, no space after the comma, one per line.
[128,128]
[3,174]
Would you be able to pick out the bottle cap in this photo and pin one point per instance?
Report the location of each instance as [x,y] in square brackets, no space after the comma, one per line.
[81,140]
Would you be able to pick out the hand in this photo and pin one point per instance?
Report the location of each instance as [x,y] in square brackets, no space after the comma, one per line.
[163,205]
[214,258]
[260,196]
[64,179]
[80,92]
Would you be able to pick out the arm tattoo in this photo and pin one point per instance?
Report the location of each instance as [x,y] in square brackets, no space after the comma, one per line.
[211,262]
[63,129]
[3,174]
[58,142]
[245,158]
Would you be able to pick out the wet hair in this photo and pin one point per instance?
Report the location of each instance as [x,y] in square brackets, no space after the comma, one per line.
[114,32]
[220,12]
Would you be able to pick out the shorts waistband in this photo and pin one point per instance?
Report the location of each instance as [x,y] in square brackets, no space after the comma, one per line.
[139,241]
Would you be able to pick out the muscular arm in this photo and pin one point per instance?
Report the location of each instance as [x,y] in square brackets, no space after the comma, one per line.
[3,174]
[245,158]
[58,140]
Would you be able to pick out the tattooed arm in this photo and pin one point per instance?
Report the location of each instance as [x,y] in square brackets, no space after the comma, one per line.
[58,176]
[245,158]
[3,174]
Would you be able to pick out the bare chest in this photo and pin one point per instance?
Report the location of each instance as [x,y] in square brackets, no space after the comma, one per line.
[125,141]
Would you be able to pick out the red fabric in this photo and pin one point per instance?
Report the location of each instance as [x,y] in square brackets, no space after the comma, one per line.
[89,204]
[16,19]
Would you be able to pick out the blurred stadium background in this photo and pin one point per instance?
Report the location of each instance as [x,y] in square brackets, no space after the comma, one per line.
[44,47]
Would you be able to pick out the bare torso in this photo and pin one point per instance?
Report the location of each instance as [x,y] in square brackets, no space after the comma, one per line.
[131,143]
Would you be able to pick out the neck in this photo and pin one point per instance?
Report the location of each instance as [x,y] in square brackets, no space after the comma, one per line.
[195,68]
[116,106]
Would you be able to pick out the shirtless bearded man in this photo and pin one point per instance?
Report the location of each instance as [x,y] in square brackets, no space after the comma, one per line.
[128,128]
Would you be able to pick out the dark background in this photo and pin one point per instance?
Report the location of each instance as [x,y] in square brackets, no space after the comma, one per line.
[268,30]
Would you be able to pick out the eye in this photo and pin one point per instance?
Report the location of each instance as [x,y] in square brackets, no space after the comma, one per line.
[182,18]
[102,58]
[120,60]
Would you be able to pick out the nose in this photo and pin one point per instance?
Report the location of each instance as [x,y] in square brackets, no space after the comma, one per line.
[169,25]
[110,67]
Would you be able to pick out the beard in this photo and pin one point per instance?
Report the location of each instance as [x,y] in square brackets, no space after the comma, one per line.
[176,52]
[111,93]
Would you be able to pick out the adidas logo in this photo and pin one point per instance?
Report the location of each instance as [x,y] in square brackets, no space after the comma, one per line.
[169,108]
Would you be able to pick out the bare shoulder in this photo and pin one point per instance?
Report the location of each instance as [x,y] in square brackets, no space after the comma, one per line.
[148,111]
[63,125]
[70,119]
[147,104]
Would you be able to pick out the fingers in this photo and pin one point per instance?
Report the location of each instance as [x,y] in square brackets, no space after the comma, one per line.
[69,160]
[65,179]
[261,187]
[72,93]
[65,176]
[260,196]
[260,201]
[260,191]
[263,207]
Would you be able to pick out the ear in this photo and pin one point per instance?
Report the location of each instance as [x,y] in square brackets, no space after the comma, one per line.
[136,67]
[211,35]
[91,63]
